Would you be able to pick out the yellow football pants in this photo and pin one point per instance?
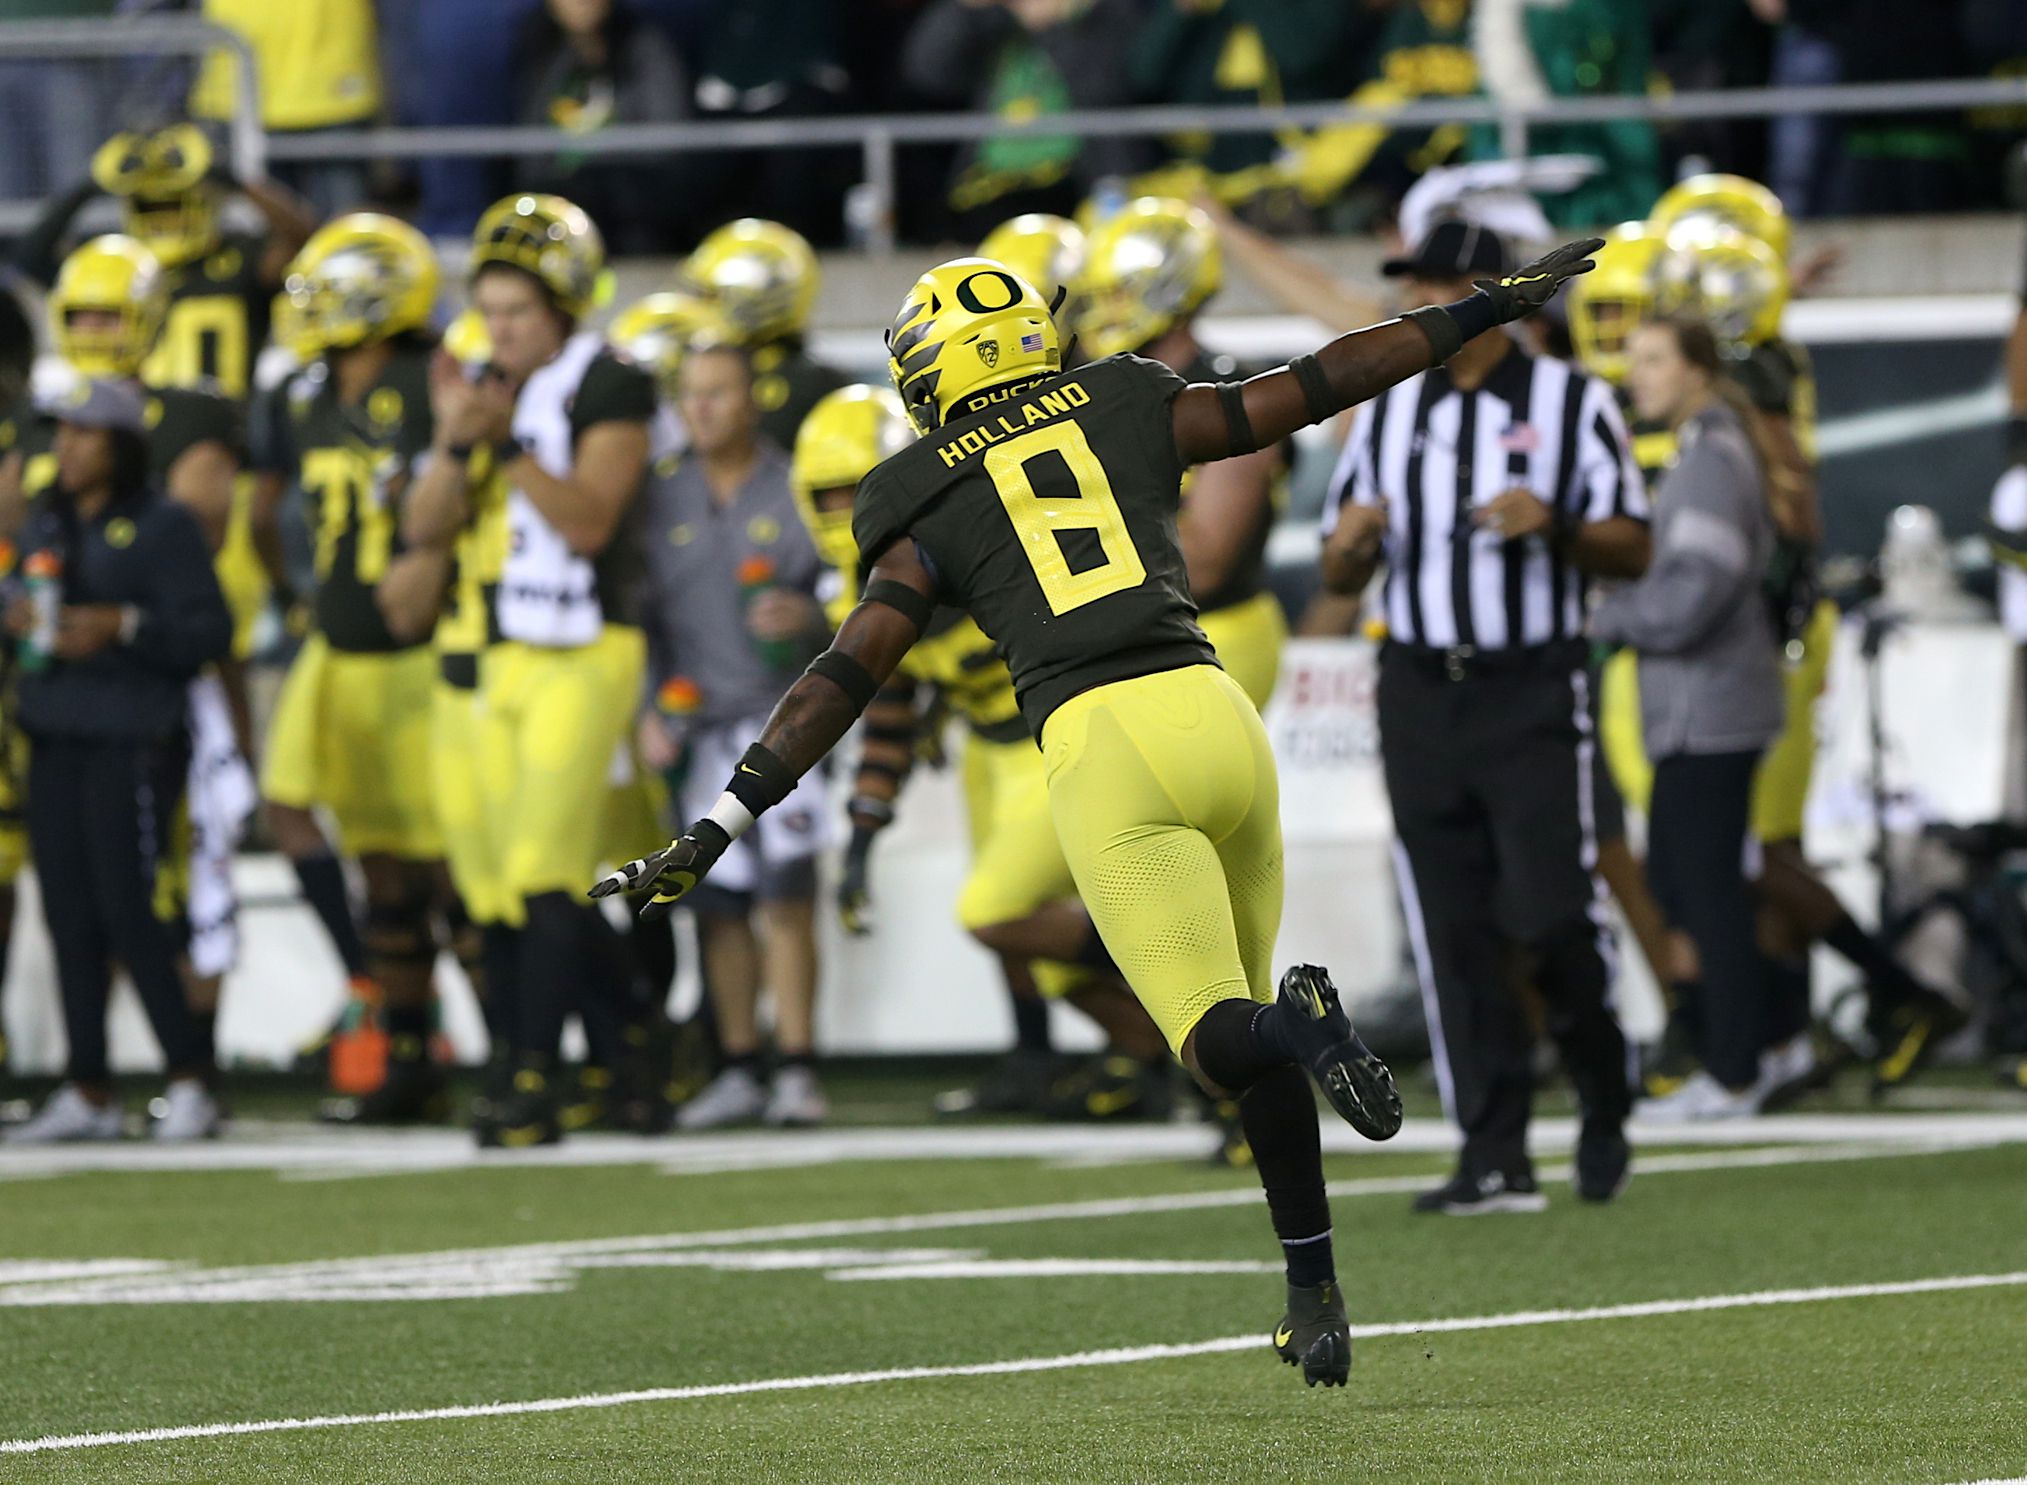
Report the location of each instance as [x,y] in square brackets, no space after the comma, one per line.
[1168,809]
[474,843]
[1017,865]
[1248,637]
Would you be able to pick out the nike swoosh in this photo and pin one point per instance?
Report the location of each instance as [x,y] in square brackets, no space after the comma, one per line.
[1101,1104]
[1283,1337]
[754,771]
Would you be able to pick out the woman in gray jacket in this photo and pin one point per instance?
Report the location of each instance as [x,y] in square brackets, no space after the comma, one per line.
[1710,696]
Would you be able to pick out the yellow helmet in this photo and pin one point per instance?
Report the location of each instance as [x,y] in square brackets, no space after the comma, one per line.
[1047,251]
[1148,269]
[466,339]
[657,330]
[842,438]
[1606,303]
[360,278]
[761,275]
[163,182]
[111,275]
[1735,282]
[965,326]
[550,238]
[1730,200]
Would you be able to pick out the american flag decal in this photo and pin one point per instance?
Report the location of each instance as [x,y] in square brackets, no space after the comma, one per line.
[1520,438]
[1031,342]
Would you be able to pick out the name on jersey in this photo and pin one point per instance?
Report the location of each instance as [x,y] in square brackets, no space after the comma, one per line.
[1054,403]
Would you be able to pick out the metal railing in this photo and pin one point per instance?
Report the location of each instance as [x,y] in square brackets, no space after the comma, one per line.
[877,137]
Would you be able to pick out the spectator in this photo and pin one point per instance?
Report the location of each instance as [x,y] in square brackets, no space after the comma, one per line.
[1710,698]
[1022,60]
[733,576]
[446,59]
[586,64]
[319,68]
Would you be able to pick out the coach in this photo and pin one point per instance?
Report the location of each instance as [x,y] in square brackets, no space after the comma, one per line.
[1493,487]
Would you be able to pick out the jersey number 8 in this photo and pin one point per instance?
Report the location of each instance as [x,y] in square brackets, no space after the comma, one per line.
[1039,519]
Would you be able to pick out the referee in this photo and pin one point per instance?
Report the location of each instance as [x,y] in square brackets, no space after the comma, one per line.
[1493,487]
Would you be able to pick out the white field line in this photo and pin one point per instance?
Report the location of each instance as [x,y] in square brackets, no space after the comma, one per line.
[1120,1356]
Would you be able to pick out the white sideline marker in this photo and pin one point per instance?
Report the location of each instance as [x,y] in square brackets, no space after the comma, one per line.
[1119,1356]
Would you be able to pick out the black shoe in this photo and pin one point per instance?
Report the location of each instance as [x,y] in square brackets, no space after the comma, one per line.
[1017,1084]
[526,1117]
[414,1093]
[639,1100]
[1604,1160]
[1234,1151]
[1495,1191]
[1670,1063]
[693,1061]
[1357,1083]
[1113,1087]
[1905,1038]
[1316,1335]
[586,1103]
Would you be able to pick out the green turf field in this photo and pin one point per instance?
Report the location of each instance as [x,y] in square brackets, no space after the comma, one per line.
[655,1312]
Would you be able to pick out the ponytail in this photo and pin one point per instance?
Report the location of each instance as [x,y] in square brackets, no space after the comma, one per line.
[1699,347]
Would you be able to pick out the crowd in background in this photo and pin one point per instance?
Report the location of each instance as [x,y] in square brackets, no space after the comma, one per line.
[586,65]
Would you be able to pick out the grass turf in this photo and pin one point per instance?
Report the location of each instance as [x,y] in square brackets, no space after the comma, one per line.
[1900,1389]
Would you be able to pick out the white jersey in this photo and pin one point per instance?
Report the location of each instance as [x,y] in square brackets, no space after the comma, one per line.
[548,594]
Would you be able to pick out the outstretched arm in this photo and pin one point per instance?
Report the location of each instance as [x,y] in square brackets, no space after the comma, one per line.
[1214,422]
[807,723]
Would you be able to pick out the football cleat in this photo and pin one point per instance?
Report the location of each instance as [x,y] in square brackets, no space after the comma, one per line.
[1604,1160]
[1358,1084]
[525,1117]
[1016,1084]
[1907,1037]
[185,1111]
[1494,1191]
[1315,1335]
[68,1115]
[1113,1087]
[588,1102]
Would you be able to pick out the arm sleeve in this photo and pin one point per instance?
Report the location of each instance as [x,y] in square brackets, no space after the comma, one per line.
[1352,481]
[1702,568]
[184,622]
[1608,481]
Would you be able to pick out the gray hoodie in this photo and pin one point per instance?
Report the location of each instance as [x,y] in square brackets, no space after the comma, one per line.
[1710,668]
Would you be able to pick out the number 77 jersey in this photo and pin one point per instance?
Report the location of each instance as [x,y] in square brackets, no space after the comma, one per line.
[1047,508]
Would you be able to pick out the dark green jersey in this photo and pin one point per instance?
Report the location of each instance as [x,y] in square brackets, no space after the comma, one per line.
[217,323]
[1051,517]
[786,385]
[178,420]
[352,463]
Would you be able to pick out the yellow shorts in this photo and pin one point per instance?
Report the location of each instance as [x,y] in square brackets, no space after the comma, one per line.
[241,574]
[1168,809]
[473,846]
[1248,637]
[554,720]
[351,732]
[1017,865]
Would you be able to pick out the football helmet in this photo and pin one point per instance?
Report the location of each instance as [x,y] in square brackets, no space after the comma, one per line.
[1047,251]
[163,180]
[360,278]
[657,330]
[760,274]
[967,325]
[1729,200]
[119,285]
[844,436]
[1147,269]
[1734,281]
[1606,303]
[553,240]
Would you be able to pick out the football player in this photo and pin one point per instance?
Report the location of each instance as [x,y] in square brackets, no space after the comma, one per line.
[350,733]
[1045,503]
[1017,866]
[762,277]
[566,420]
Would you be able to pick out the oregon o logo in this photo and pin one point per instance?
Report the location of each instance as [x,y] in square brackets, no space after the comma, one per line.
[968,296]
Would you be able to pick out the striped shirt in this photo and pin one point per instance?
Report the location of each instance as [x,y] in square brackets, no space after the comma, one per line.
[1434,453]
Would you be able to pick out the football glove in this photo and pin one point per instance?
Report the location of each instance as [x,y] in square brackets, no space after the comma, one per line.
[855,892]
[673,872]
[1525,292]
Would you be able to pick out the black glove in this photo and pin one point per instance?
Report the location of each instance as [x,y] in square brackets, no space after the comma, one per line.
[855,892]
[1524,292]
[672,872]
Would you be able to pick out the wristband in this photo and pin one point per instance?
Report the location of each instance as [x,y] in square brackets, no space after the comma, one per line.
[1441,328]
[1239,437]
[864,806]
[760,782]
[462,452]
[848,675]
[1316,393]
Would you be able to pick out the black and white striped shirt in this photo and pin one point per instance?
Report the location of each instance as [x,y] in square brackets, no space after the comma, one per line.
[1434,452]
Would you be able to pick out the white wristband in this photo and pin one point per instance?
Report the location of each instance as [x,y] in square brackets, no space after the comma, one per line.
[730,816]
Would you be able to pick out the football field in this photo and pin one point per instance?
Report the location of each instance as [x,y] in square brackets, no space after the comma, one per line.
[1831,1297]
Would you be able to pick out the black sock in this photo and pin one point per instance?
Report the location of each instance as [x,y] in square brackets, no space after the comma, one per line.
[803,1060]
[1788,1017]
[552,960]
[206,1023]
[323,882]
[1278,1114]
[407,1029]
[1238,1042]
[748,1061]
[1887,980]
[500,961]
[1031,1023]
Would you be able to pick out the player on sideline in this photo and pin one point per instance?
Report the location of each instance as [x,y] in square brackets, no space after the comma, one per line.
[1045,503]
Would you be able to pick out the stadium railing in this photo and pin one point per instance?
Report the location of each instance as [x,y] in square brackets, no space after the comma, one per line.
[879,136]
[133,73]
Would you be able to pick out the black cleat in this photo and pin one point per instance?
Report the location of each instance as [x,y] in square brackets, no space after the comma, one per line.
[1906,1037]
[1474,1196]
[1234,1151]
[1671,1062]
[1315,1334]
[1016,1084]
[526,1117]
[1604,1160]
[1357,1083]
[1113,1088]
[414,1093]
[588,1102]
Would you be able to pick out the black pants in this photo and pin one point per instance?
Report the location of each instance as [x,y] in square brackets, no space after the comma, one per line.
[101,821]
[1699,828]
[1492,800]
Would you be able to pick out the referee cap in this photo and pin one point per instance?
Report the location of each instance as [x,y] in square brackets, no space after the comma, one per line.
[1453,249]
